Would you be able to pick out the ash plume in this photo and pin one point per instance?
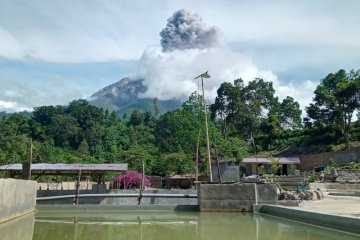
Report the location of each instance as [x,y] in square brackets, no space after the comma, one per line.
[188,49]
[186,30]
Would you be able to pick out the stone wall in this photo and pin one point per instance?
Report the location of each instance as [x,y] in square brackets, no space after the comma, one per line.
[17,197]
[334,187]
[234,197]
[309,162]
[350,176]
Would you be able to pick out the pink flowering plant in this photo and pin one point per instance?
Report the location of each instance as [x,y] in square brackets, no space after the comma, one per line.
[131,179]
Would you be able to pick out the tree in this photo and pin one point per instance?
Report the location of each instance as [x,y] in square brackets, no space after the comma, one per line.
[44,114]
[260,97]
[64,129]
[245,106]
[156,107]
[290,113]
[85,114]
[178,130]
[136,154]
[275,166]
[176,163]
[136,118]
[336,99]
[229,104]
[83,149]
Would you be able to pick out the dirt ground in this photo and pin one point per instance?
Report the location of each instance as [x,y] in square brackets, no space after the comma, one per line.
[335,205]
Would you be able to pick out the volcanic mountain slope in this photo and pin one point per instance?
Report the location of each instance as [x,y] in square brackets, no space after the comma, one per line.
[123,97]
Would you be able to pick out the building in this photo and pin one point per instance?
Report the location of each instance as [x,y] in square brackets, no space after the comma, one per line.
[252,164]
[229,171]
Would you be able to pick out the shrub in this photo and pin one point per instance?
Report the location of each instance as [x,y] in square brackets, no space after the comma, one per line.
[131,179]
[275,166]
[262,170]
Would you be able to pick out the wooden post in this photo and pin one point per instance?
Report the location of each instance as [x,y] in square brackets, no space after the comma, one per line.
[207,131]
[197,158]
[76,200]
[142,182]
[30,160]
[218,165]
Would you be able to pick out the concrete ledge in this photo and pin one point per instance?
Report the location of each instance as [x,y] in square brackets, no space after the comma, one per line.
[17,197]
[335,187]
[114,208]
[288,203]
[118,197]
[343,223]
[346,194]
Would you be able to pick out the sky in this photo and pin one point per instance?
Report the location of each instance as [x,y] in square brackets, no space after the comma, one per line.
[52,52]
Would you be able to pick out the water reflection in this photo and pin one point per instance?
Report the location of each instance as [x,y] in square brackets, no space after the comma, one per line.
[19,228]
[116,226]
[101,225]
[175,226]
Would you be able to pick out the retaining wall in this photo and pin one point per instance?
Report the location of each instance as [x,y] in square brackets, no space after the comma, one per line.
[117,200]
[335,187]
[234,197]
[17,197]
[309,162]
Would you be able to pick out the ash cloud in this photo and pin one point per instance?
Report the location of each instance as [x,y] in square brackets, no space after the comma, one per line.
[186,30]
[189,49]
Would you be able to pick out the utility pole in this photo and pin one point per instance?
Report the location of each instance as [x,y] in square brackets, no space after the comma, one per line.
[257,163]
[201,76]
[197,158]
[30,159]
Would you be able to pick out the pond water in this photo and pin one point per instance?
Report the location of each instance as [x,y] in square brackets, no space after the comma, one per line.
[121,225]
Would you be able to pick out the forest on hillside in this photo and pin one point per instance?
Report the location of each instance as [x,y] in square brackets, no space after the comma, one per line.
[244,119]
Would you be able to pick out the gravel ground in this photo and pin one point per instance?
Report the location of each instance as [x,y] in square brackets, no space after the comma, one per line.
[335,205]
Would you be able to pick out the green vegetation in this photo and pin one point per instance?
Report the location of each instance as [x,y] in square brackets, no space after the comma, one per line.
[83,133]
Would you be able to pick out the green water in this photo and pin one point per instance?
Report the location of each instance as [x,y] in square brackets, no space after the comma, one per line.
[110,225]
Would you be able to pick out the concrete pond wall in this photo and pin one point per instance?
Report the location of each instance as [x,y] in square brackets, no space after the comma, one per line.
[101,189]
[21,228]
[235,197]
[17,198]
[211,197]
[332,221]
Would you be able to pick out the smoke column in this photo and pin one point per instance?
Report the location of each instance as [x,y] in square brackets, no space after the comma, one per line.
[189,48]
[185,30]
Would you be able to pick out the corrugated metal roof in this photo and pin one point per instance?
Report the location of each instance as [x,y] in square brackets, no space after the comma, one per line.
[67,167]
[281,160]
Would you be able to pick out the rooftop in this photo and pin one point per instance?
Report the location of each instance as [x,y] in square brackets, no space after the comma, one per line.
[265,160]
[67,167]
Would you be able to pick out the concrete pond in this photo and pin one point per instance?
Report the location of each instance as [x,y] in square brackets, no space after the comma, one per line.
[100,223]
[220,212]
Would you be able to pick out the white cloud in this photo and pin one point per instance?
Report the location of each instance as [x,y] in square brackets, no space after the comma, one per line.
[284,36]
[79,31]
[171,74]
[9,45]
[19,95]
[302,92]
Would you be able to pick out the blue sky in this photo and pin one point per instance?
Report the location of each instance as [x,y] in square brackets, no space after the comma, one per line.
[52,52]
